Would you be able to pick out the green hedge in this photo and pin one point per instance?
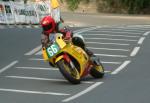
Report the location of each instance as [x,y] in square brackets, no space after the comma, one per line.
[116,6]
[130,6]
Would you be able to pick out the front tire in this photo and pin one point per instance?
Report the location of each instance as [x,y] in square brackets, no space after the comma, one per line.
[71,74]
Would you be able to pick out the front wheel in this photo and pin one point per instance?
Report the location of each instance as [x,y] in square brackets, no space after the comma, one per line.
[71,74]
[97,71]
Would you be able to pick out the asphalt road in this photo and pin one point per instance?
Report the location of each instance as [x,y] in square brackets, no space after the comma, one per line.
[124,52]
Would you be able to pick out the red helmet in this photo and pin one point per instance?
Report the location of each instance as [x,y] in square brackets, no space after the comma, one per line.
[48,24]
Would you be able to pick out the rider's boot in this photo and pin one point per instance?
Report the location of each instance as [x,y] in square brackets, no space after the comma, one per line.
[94,59]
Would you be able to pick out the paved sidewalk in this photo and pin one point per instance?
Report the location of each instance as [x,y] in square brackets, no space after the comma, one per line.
[83,19]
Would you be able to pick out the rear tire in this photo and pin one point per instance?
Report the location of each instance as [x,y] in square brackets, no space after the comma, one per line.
[97,71]
[72,75]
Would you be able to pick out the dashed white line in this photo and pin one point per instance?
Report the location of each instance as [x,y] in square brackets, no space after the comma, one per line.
[8,66]
[34,50]
[135,51]
[121,67]
[141,40]
[33,92]
[83,92]
[44,79]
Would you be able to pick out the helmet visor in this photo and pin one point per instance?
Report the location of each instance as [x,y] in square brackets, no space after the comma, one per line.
[47,27]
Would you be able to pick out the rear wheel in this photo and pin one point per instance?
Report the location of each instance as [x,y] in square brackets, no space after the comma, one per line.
[71,74]
[97,71]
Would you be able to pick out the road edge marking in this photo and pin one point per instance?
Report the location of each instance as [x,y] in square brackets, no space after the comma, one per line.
[34,50]
[8,66]
[135,51]
[141,40]
[121,67]
[82,92]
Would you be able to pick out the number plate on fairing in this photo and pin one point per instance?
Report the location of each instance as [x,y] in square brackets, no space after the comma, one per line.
[52,50]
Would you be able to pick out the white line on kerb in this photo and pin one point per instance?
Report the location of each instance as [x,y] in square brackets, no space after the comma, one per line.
[32,92]
[82,92]
[135,51]
[8,66]
[141,40]
[121,67]
[34,50]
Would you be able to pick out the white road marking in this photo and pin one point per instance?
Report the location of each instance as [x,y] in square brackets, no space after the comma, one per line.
[83,92]
[8,66]
[135,51]
[139,26]
[116,32]
[33,92]
[122,29]
[109,49]
[34,50]
[110,62]
[37,68]
[45,79]
[39,53]
[107,43]
[141,40]
[38,59]
[28,26]
[112,35]
[121,67]
[108,55]
[136,29]
[56,69]
[110,39]
[86,29]
[146,33]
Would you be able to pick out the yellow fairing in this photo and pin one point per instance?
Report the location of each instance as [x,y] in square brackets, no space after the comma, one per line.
[79,55]
[45,57]
[58,58]
[76,52]
[60,41]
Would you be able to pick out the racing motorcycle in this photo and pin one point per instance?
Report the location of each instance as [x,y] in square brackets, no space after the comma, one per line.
[72,61]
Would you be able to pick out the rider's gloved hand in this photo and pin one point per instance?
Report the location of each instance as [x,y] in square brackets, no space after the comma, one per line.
[67,33]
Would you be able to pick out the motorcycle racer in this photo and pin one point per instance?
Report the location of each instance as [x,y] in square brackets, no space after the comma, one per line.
[50,27]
